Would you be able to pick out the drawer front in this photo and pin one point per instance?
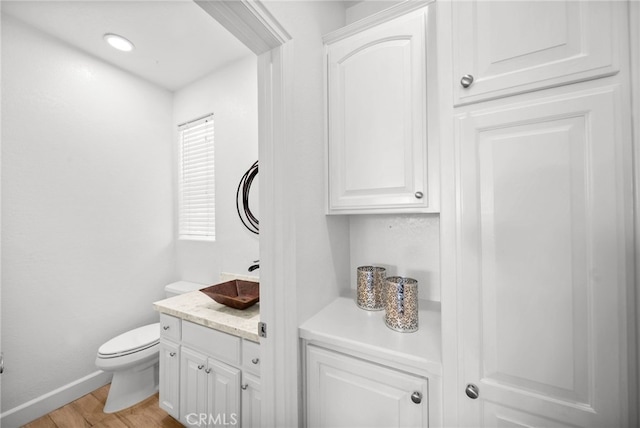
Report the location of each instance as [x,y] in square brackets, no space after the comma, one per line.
[212,342]
[251,357]
[170,327]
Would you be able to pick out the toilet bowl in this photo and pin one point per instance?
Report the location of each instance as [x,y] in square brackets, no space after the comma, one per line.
[133,357]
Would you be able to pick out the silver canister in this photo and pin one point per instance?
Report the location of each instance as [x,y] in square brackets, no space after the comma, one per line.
[401,304]
[370,292]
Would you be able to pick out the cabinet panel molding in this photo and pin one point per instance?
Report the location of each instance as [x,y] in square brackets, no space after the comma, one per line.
[193,385]
[514,47]
[381,156]
[223,393]
[215,343]
[346,391]
[169,390]
[542,193]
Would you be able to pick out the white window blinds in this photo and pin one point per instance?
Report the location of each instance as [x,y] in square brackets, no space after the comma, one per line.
[197,206]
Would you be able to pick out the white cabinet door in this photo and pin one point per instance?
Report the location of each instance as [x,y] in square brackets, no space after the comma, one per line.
[223,393]
[209,390]
[170,378]
[541,252]
[343,391]
[516,46]
[377,120]
[193,387]
[251,401]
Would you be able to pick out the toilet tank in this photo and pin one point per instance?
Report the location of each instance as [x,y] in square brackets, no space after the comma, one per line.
[181,287]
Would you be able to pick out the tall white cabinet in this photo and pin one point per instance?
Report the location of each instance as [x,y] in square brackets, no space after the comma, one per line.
[536,209]
[543,249]
[542,178]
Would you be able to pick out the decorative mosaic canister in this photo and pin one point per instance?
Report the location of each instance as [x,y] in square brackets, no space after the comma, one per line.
[401,304]
[370,292]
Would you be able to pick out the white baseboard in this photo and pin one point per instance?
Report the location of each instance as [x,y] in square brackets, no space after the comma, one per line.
[40,406]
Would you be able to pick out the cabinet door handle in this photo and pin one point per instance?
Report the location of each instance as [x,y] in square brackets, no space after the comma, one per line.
[416,397]
[208,370]
[419,195]
[472,391]
[165,327]
[466,80]
[255,360]
[172,354]
[201,366]
[245,386]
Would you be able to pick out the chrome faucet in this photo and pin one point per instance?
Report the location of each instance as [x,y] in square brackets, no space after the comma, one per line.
[254,266]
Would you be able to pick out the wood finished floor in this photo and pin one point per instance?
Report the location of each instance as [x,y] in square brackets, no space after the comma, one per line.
[87,412]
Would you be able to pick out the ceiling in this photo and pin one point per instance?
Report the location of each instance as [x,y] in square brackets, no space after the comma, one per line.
[176,41]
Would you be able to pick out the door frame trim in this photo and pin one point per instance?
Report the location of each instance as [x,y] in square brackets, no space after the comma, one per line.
[252,23]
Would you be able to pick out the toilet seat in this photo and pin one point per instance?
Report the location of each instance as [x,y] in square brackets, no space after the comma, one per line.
[131,342]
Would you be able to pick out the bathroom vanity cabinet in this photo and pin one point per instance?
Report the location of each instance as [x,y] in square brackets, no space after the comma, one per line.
[381,154]
[208,387]
[208,373]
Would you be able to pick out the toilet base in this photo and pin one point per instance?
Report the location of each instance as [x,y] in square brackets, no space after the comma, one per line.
[131,386]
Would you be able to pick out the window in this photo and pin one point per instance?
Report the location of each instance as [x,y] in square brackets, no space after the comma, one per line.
[197,208]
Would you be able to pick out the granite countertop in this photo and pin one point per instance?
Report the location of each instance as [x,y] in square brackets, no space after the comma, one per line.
[198,308]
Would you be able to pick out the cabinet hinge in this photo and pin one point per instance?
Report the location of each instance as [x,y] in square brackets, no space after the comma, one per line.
[262,329]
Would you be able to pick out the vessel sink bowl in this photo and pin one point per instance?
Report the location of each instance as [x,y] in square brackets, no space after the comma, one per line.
[237,294]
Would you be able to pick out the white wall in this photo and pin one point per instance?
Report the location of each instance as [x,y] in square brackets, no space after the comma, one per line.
[231,93]
[406,245]
[87,221]
[322,242]
[367,7]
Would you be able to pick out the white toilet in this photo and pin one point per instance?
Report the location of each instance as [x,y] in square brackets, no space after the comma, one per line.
[133,358]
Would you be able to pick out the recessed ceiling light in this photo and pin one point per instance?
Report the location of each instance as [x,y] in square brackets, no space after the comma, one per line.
[118,42]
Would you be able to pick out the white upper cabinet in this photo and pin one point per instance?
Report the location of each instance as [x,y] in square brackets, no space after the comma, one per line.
[509,47]
[380,156]
[344,391]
